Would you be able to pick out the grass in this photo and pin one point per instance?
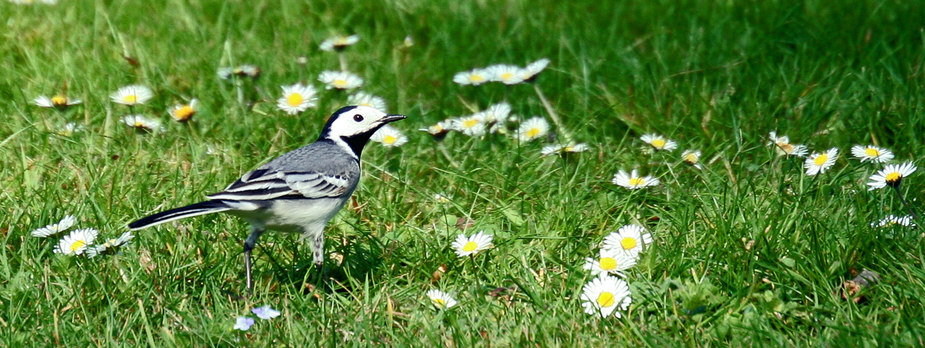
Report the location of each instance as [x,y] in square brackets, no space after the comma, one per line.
[748,251]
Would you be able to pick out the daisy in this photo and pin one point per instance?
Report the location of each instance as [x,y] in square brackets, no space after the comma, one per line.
[633,181]
[893,220]
[389,136]
[891,175]
[441,198]
[506,74]
[472,245]
[439,129]
[297,98]
[630,239]
[530,72]
[468,125]
[69,129]
[122,240]
[610,261]
[142,123]
[496,114]
[76,242]
[243,323]
[366,99]
[564,149]
[692,157]
[783,147]
[265,312]
[820,162]
[659,142]
[440,299]
[184,112]
[58,101]
[606,295]
[871,153]
[340,79]
[532,129]
[61,226]
[132,95]
[338,43]
[473,77]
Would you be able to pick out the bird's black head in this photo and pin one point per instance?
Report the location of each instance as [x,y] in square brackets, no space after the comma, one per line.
[354,125]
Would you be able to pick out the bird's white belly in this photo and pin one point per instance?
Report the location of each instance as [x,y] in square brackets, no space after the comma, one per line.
[303,216]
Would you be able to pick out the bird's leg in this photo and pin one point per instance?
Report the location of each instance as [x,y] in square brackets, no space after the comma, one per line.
[249,245]
[318,250]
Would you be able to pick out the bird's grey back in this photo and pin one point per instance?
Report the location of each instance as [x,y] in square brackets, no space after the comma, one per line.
[322,157]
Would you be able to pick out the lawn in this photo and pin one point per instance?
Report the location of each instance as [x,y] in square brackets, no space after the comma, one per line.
[746,249]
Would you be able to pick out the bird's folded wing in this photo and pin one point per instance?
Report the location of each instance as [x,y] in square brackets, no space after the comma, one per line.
[264,184]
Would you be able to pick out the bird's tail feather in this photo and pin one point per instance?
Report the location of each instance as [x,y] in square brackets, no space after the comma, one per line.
[201,208]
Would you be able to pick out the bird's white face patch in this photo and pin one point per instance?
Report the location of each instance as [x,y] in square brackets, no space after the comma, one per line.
[358,120]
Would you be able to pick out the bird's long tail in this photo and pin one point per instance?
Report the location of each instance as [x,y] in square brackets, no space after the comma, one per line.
[201,208]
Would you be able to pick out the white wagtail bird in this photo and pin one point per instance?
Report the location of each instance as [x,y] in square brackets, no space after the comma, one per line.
[299,191]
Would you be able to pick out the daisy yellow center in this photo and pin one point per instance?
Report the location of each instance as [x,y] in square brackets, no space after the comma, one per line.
[608,263]
[339,83]
[389,139]
[893,177]
[470,246]
[690,158]
[605,299]
[533,132]
[439,302]
[819,161]
[436,129]
[786,147]
[294,99]
[476,78]
[130,99]
[871,152]
[507,76]
[77,245]
[658,143]
[637,181]
[569,149]
[470,123]
[340,41]
[184,112]
[628,243]
[139,124]
[365,104]
[59,100]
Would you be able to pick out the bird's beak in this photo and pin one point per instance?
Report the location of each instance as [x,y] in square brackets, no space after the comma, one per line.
[393,118]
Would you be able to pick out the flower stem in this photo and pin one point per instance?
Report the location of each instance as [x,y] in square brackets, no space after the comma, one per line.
[552,114]
[906,203]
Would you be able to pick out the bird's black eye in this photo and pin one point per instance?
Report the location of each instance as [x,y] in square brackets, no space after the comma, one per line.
[358,118]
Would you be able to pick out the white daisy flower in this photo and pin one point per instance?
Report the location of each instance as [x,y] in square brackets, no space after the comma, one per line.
[611,261]
[132,95]
[472,77]
[297,98]
[891,175]
[340,80]
[338,43]
[692,157]
[506,74]
[389,136]
[61,226]
[630,239]
[58,101]
[659,142]
[606,295]
[76,242]
[497,113]
[783,147]
[140,122]
[441,198]
[440,299]
[69,129]
[184,112]
[530,72]
[532,129]
[366,99]
[465,246]
[469,125]
[872,153]
[438,129]
[562,149]
[893,220]
[122,240]
[633,181]
[820,162]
